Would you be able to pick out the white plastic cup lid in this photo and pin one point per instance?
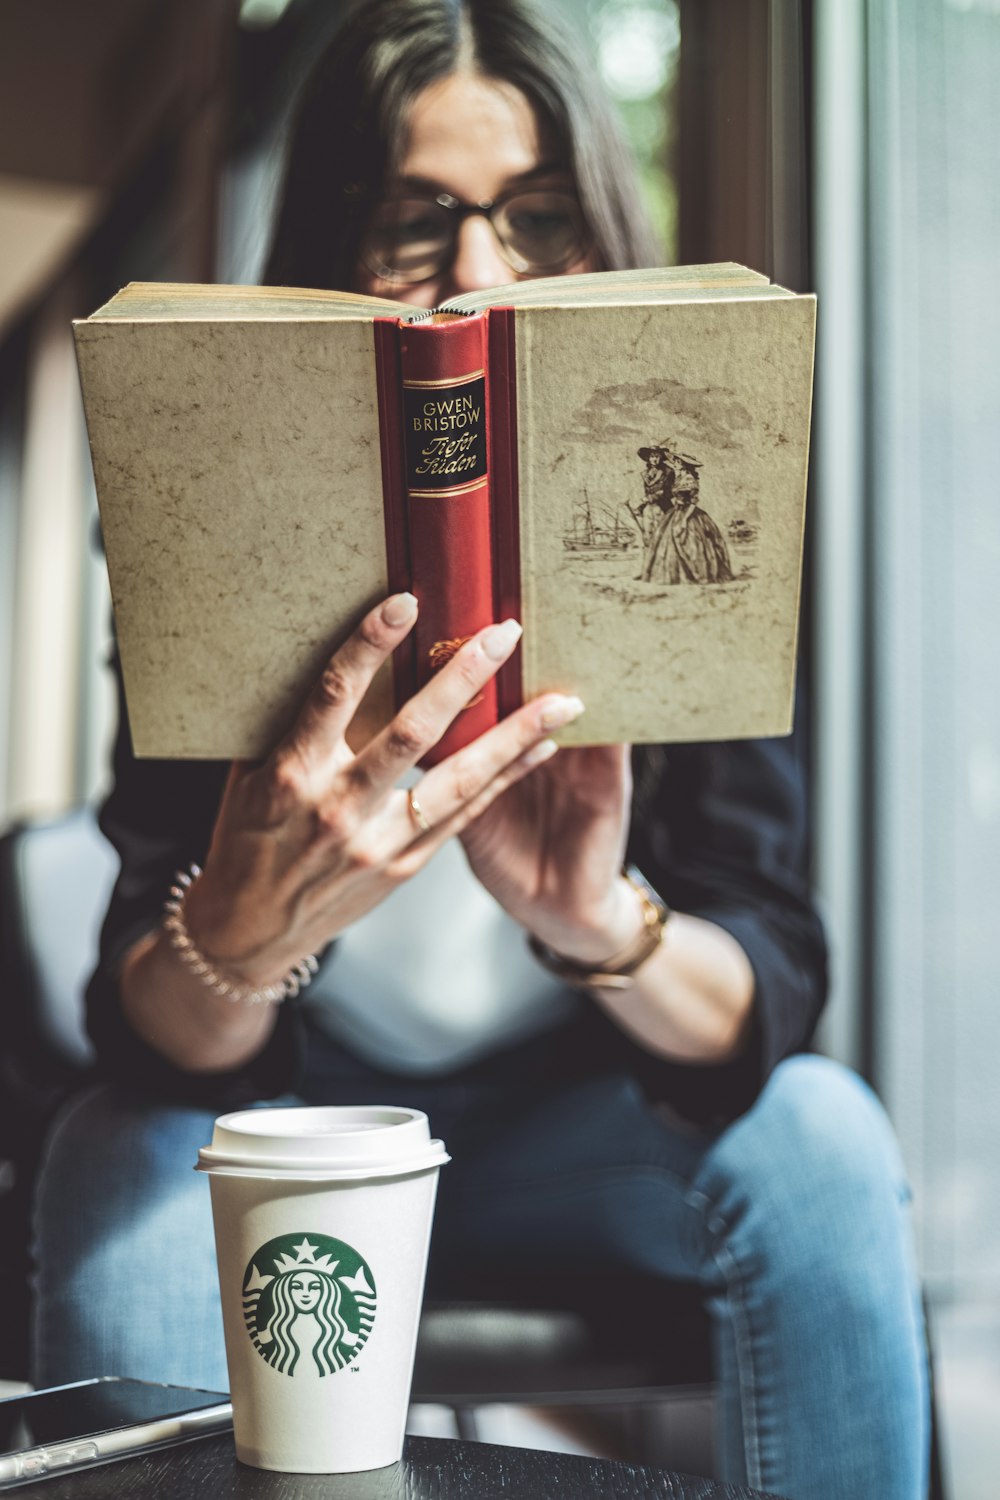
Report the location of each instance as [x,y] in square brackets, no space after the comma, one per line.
[328,1142]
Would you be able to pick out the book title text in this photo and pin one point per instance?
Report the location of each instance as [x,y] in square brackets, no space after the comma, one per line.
[445,433]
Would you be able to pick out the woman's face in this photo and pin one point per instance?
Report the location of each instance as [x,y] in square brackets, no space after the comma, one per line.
[474,138]
[304,1290]
[686,482]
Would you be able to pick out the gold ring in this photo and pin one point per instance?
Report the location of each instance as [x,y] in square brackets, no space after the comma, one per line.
[417,813]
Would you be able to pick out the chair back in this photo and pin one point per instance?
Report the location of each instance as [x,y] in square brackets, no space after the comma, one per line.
[55,881]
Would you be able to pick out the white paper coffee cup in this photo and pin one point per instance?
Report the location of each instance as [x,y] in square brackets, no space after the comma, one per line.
[322,1225]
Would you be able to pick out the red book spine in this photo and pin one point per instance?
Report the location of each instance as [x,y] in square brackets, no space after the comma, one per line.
[501,389]
[447,413]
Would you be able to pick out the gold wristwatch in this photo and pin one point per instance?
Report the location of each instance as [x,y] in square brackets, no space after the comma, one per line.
[619,971]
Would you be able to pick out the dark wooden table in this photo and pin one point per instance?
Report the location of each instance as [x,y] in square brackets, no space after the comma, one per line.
[431,1469]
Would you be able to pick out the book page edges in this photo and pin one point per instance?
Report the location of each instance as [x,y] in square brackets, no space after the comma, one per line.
[141,301]
[610,286]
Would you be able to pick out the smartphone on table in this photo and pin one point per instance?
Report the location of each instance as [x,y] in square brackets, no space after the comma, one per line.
[94,1421]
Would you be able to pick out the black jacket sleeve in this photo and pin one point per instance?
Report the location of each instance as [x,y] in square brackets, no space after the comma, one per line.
[159,817]
[721,831]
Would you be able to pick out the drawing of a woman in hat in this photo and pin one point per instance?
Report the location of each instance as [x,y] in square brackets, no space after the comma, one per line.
[685,545]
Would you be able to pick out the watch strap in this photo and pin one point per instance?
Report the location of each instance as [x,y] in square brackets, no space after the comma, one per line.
[619,970]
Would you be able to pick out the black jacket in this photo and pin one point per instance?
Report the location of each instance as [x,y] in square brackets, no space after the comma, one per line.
[720,830]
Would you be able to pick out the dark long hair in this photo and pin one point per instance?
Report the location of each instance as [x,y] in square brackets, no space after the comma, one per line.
[349,130]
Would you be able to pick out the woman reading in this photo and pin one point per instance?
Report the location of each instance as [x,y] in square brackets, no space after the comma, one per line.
[633,1089]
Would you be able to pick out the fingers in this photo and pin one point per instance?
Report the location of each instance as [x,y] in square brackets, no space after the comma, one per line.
[458,790]
[422,721]
[318,733]
[423,845]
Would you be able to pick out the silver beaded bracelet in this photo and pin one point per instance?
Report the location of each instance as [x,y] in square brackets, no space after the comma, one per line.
[233,989]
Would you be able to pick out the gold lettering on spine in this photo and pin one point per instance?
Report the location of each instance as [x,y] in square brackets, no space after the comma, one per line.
[445,433]
[447,456]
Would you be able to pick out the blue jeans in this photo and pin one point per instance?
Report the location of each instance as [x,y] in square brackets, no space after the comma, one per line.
[794,1220]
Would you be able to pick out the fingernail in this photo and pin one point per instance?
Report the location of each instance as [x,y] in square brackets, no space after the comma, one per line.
[399,609]
[561,711]
[500,640]
[544,750]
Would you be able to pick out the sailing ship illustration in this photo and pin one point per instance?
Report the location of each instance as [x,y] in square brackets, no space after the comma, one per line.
[597,529]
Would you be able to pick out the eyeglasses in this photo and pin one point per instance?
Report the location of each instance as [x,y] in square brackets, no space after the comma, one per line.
[412,238]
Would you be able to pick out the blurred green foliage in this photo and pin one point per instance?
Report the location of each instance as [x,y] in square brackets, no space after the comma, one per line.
[637,45]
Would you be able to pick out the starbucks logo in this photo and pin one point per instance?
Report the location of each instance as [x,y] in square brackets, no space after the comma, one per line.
[308,1298]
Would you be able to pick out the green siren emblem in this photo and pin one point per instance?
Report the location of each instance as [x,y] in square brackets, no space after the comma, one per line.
[308,1299]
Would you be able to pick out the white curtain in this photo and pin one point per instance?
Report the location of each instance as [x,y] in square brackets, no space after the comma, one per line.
[908,557]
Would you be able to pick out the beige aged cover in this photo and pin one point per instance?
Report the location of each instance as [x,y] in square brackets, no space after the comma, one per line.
[240,486]
[236,454]
[618,598]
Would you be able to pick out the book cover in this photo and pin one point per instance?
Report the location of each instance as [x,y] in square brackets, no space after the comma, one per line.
[617,459]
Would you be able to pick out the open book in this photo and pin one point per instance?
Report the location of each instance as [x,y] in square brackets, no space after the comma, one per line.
[617,459]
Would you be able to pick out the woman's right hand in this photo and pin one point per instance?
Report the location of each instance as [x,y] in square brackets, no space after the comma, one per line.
[316,836]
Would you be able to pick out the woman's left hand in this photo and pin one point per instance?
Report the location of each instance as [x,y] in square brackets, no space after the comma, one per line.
[550,850]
